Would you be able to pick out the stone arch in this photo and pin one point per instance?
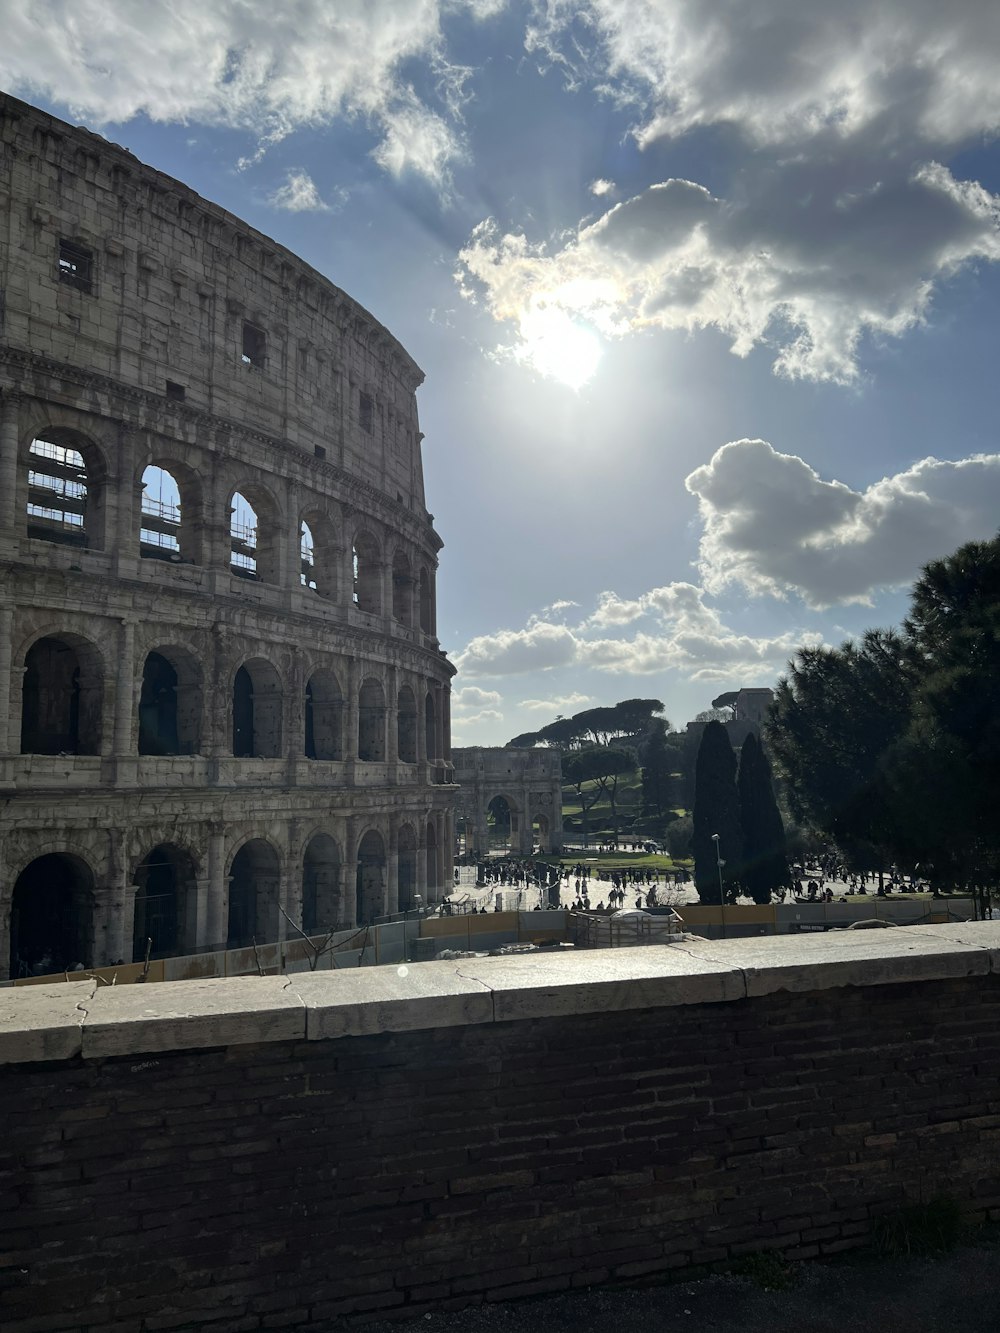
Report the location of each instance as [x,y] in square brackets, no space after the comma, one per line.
[370,882]
[170,702]
[430,726]
[367,565]
[166,902]
[254,533]
[425,600]
[62,696]
[324,716]
[322,885]
[402,587]
[325,558]
[541,831]
[501,822]
[256,709]
[170,526]
[51,915]
[254,886]
[406,726]
[371,721]
[67,488]
[406,861]
[434,861]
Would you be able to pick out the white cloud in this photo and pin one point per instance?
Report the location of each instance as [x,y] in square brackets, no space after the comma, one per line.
[509,652]
[298,194]
[774,526]
[784,71]
[600,187]
[564,704]
[688,637]
[471,696]
[840,218]
[791,259]
[557,608]
[263,67]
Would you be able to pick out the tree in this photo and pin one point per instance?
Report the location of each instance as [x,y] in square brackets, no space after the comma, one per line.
[601,767]
[835,718]
[716,812]
[660,761]
[765,863]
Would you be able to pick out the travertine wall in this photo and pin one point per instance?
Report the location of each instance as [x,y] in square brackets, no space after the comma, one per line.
[276,1153]
[142,326]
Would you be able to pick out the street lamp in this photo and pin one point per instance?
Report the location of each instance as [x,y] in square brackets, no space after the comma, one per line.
[719,863]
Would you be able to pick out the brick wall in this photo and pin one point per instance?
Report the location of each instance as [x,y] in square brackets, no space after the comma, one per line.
[282,1183]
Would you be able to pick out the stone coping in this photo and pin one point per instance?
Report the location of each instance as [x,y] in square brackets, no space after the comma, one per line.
[84,1018]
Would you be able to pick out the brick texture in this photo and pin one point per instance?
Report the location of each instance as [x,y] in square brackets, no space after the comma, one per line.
[280,1186]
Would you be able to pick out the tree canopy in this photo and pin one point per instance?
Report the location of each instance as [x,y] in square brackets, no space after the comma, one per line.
[891,745]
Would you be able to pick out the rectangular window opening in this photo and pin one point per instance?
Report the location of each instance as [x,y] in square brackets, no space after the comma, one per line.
[76,266]
[175,391]
[319,451]
[254,346]
[366,413]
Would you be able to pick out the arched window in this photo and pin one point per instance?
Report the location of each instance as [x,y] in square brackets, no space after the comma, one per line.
[406,726]
[426,603]
[60,505]
[407,871]
[165,903]
[370,882]
[324,729]
[160,531]
[307,557]
[253,535]
[52,902]
[170,704]
[433,863]
[256,711]
[62,698]
[243,537]
[430,727]
[367,575]
[402,589]
[254,879]
[322,908]
[371,722]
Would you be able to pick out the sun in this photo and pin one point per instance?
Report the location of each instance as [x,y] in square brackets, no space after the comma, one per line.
[555,345]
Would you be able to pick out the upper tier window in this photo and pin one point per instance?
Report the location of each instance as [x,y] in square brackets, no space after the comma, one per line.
[76,266]
[254,346]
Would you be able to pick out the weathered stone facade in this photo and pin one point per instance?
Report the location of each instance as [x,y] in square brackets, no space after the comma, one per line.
[222,696]
[529,781]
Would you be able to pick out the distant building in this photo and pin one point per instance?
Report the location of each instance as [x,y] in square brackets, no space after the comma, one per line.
[524,790]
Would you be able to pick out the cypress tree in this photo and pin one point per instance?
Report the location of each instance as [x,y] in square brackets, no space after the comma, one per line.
[765,865]
[716,810]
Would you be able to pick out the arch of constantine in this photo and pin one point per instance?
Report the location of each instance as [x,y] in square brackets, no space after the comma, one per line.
[223,705]
[509,800]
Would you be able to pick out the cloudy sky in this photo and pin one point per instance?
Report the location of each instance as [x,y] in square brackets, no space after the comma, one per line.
[706,293]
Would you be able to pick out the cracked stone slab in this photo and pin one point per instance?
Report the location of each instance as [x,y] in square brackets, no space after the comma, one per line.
[43,1022]
[647,977]
[182,1015]
[850,958]
[391,999]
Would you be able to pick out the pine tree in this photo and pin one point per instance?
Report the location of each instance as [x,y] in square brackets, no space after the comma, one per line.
[716,811]
[765,864]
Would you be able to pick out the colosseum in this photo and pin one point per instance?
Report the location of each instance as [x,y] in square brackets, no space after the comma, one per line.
[226,710]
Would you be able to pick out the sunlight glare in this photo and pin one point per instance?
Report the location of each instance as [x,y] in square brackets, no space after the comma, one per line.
[558,347]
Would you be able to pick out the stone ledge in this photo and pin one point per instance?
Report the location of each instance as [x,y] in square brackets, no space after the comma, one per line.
[78,1018]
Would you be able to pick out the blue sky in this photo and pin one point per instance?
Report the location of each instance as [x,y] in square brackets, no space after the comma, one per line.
[705,293]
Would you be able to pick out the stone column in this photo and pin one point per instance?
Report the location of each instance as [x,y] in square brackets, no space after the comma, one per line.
[6,704]
[124,740]
[391,715]
[9,441]
[386,581]
[351,711]
[421,885]
[293,545]
[128,505]
[217,915]
[447,851]
[392,879]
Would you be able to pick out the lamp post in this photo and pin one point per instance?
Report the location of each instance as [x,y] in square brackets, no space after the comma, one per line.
[719,863]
